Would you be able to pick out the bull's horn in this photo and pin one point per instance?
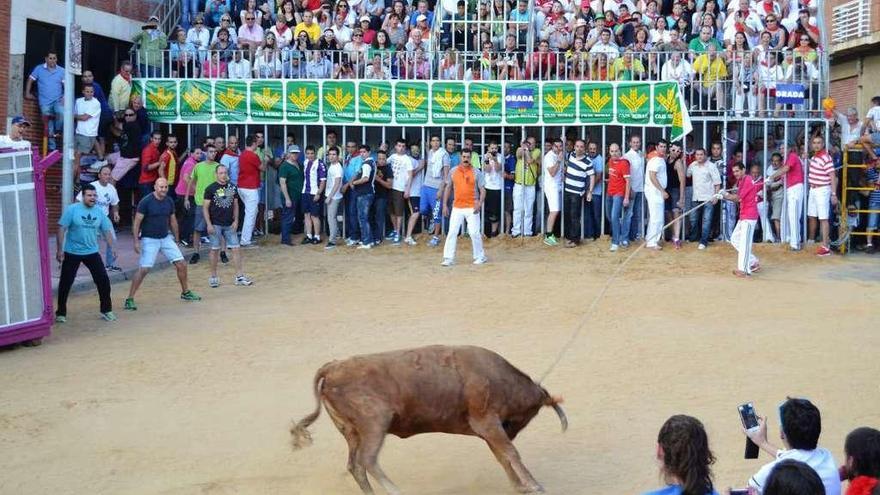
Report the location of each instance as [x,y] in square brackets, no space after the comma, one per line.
[561,414]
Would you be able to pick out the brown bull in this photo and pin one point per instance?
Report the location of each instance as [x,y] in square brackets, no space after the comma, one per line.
[463,390]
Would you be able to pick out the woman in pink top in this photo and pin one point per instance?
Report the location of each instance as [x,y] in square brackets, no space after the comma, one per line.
[741,238]
[216,68]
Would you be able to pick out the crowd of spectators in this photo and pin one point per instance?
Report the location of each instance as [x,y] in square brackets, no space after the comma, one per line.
[726,55]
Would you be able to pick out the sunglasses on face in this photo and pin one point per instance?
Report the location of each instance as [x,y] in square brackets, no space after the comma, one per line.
[129,115]
[249,18]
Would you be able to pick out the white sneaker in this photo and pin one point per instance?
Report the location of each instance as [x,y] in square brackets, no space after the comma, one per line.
[350,242]
[613,248]
[243,280]
[214,282]
[480,261]
[365,246]
[701,247]
[410,241]
[447,262]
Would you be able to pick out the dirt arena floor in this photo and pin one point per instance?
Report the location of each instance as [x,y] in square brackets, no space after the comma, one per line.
[197,398]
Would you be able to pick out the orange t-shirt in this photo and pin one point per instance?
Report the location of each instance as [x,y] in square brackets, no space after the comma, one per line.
[463,179]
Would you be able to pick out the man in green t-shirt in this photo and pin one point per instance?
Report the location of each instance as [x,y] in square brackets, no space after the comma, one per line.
[290,178]
[200,178]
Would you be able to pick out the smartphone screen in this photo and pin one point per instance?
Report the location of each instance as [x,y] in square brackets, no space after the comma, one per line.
[748,416]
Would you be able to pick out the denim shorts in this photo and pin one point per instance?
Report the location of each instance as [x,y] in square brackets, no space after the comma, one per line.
[874,218]
[150,248]
[224,232]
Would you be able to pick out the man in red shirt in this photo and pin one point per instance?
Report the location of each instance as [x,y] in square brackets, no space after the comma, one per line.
[168,160]
[150,164]
[250,166]
[823,187]
[794,196]
[744,232]
[618,195]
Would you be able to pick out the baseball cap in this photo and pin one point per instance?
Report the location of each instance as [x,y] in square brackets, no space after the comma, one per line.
[293,148]
[365,18]
[20,120]
[600,15]
[422,17]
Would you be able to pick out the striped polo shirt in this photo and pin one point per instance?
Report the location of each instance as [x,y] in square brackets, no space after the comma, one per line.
[577,172]
[821,169]
[873,177]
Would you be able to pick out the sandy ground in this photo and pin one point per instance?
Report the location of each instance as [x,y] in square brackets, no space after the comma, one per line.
[182,398]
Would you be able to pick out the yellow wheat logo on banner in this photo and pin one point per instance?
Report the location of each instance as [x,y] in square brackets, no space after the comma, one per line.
[448,100]
[231,98]
[559,100]
[302,99]
[375,99]
[339,99]
[668,100]
[412,100]
[596,100]
[161,98]
[267,99]
[195,98]
[485,101]
[633,100]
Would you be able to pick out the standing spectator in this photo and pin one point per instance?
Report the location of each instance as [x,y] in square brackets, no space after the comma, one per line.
[169,160]
[290,178]
[800,427]
[313,187]
[579,167]
[104,121]
[87,112]
[492,170]
[383,183]
[220,210]
[706,183]
[862,468]
[823,192]
[469,189]
[216,10]
[402,171]
[871,137]
[251,166]
[634,218]
[200,178]
[364,192]
[120,87]
[181,191]
[744,233]
[777,194]
[655,193]
[619,191]
[525,178]
[150,164]
[230,159]
[509,176]
[593,217]
[415,192]
[107,199]
[437,171]
[77,237]
[151,42]
[676,173]
[17,127]
[552,184]
[154,230]
[334,195]
[350,169]
[49,77]
[129,140]
[685,458]
[872,179]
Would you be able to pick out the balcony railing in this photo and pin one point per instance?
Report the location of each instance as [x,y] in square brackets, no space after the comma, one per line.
[851,20]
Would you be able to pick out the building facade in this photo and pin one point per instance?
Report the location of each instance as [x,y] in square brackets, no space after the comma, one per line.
[853,44]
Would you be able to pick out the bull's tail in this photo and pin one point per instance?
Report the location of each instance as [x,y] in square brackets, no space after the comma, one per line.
[300,436]
[553,401]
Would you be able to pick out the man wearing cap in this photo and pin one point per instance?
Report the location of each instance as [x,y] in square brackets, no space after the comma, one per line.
[17,128]
[422,10]
[150,42]
[290,178]
[49,77]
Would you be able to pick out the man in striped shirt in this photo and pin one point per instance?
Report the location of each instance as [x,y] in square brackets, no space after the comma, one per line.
[823,187]
[579,168]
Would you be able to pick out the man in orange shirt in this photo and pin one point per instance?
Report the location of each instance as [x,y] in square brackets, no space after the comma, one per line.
[469,189]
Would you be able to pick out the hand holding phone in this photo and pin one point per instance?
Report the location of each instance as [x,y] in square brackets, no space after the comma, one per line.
[750,423]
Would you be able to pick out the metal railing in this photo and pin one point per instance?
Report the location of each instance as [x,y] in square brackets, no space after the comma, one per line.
[851,20]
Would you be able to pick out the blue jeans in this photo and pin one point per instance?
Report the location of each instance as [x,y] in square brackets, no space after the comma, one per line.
[729,213]
[55,112]
[352,228]
[706,212]
[191,8]
[149,71]
[288,216]
[380,208]
[633,217]
[593,217]
[619,217]
[109,259]
[364,202]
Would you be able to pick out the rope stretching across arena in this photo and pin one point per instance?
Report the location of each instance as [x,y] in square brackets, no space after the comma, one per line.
[612,278]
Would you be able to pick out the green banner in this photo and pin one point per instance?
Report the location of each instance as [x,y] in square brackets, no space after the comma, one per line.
[137,89]
[559,102]
[634,103]
[484,103]
[302,103]
[267,101]
[447,103]
[597,103]
[374,102]
[665,102]
[522,103]
[230,101]
[411,103]
[338,101]
[161,101]
[195,100]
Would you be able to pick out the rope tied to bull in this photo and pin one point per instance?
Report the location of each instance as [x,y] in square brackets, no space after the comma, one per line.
[595,302]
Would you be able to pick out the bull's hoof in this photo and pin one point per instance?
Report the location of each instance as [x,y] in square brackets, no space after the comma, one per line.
[536,488]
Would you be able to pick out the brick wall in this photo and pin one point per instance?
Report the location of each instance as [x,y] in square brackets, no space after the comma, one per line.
[845,92]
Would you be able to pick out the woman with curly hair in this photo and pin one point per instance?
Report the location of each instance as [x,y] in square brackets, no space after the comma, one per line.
[684,457]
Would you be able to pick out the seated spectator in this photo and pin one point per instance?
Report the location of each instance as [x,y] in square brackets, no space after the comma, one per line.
[511,60]
[266,20]
[415,42]
[344,69]
[369,34]
[801,425]
[287,13]
[318,66]
[377,69]
[267,61]
[309,26]
[677,13]
[239,67]
[382,45]
[710,8]
[422,10]
[791,477]
[556,33]
[675,44]
[805,50]
[329,41]
[519,21]
[805,25]
[626,68]
[542,64]
[215,10]
[451,69]
[862,468]
[225,23]
[684,457]
[577,61]
[200,37]
[395,29]
[605,45]
[683,26]
[650,13]
[422,25]
[711,71]
[344,11]
[679,70]
[700,44]
[250,34]
[251,9]
[599,67]
[778,34]
[341,31]
[641,41]
[659,34]
[224,45]
[739,49]
[372,9]
[214,68]
[297,57]
[184,58]
[745,20]
[282,33]
[357,49]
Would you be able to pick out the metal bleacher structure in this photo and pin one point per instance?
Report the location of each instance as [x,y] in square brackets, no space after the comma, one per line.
[478,94]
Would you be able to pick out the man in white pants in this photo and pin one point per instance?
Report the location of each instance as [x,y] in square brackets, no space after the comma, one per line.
[525,177]
[250,166]
[744,232]
[552,185]
[793,171]
[823,195]
[655,193]
[469,188]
